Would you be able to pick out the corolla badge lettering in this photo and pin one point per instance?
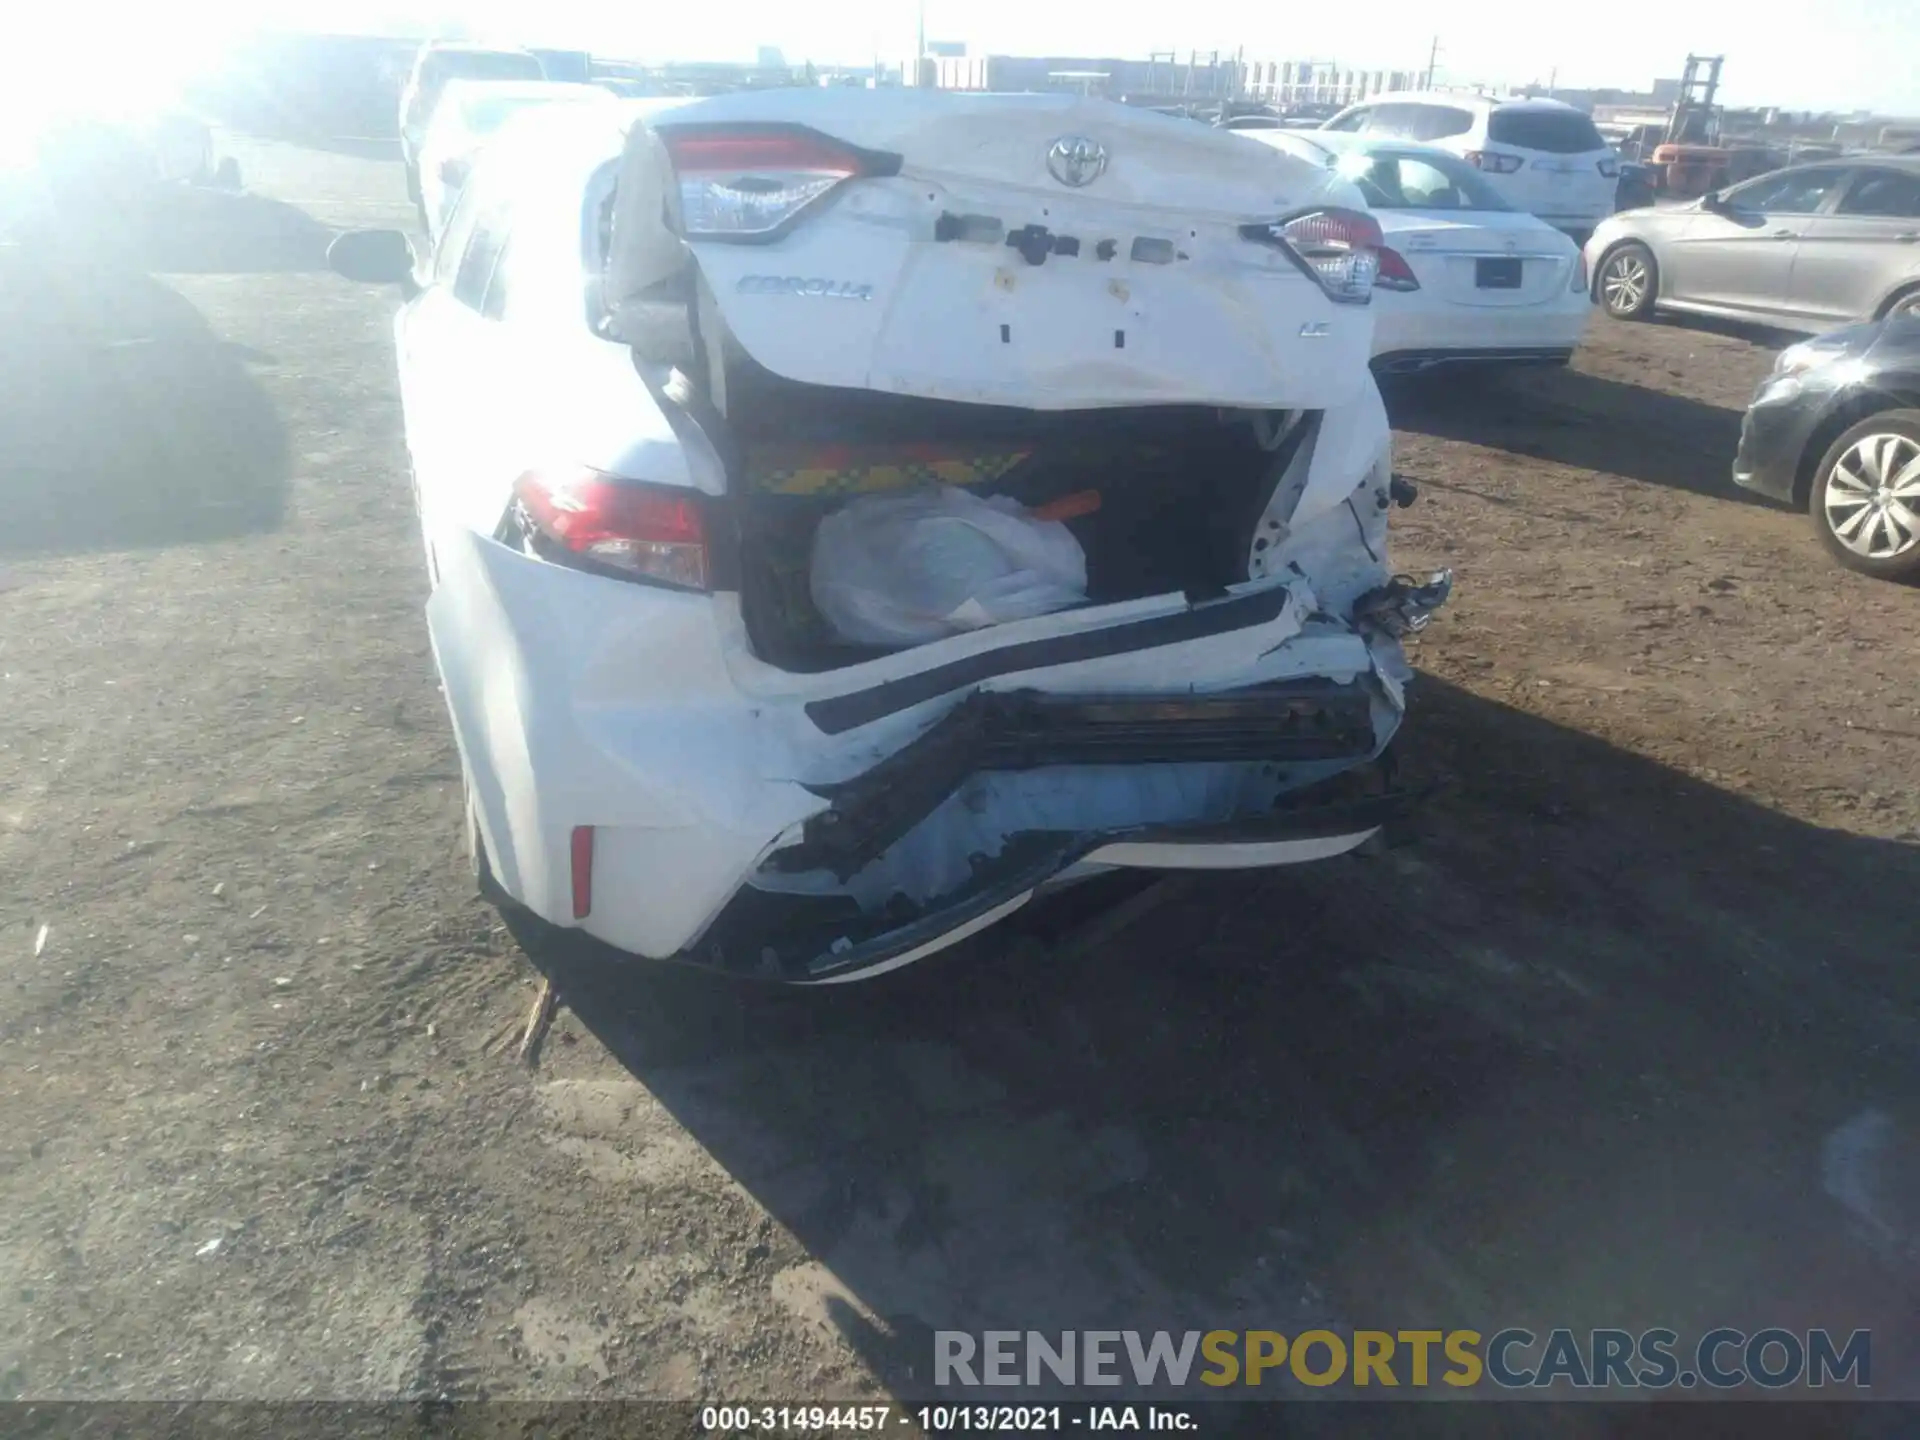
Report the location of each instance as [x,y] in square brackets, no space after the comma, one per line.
[812,287]
[1075,160]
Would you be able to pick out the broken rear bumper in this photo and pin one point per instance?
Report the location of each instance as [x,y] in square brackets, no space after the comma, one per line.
[772,937]
[1298,720]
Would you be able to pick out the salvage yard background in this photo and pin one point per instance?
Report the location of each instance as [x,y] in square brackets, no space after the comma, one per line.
[1628,1039]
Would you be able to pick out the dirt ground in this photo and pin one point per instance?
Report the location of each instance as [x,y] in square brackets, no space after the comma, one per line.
[1627,1039]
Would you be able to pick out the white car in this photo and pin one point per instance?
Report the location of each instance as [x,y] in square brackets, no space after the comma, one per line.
[1463,277]
[646,366]
[469,113]
[436,64]
[1542,156]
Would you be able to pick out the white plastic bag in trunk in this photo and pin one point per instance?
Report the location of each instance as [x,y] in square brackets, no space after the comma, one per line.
[907,569]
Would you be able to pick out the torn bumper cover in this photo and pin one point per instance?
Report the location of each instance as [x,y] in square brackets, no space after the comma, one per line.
[795,939]
[1291,721]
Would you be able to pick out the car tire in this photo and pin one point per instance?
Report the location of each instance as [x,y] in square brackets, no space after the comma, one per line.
[1877,461]
[1628,282]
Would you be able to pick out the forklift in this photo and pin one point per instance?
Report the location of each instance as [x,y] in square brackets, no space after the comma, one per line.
[1691,159]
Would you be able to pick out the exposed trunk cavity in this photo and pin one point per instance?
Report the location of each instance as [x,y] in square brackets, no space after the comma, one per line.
[1179,489]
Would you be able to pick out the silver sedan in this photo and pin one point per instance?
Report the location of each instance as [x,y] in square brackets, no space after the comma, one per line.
[1808,248]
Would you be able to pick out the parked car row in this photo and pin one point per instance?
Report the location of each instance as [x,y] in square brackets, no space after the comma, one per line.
[1464,277]
[1540,156]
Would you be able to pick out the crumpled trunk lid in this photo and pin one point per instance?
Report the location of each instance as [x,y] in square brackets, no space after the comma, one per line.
[1049,252]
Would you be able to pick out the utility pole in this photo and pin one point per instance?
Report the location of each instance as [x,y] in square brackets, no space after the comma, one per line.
[1433,55]
[920,50]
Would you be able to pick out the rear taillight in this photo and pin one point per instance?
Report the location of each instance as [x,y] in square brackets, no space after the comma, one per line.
[1339,248]
[637,531]
[1609,167]
[581,866]
[749,182]
[1395,272]
[1492,163]
[1579,286]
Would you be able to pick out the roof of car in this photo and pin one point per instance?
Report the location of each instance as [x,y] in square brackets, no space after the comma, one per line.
[1465,100]
[1910,163]
[472,47]
[1338,141]
[522,89]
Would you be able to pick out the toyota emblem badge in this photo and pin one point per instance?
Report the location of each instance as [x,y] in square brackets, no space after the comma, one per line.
[1075,160]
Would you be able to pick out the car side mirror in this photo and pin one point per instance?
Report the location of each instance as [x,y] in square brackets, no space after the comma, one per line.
[372,257]
[1716,202]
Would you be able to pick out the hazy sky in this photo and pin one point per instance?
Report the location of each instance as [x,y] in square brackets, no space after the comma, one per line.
[1833,55]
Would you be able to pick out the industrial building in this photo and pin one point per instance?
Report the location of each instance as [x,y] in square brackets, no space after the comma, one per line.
[1169,77]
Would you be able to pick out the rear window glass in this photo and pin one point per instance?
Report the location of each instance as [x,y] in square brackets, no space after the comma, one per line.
[1399,181]
[480,65]
[1889,193]
[1558,132]
[1419,122]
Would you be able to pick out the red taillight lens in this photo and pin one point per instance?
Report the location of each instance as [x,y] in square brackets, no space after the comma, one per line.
[1395,272]
[581,862]
[1339,248]
[1492,163]
[650,532]
[1609,167]
[746,183]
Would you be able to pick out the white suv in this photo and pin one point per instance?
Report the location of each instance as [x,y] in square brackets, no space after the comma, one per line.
[1541,156]
[660,344]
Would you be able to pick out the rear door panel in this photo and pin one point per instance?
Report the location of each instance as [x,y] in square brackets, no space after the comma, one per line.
[1849,261]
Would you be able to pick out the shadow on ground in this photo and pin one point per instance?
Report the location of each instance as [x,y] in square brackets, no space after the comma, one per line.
[1767,337]
[195,230]
[1611,1047]
[1572,418]
[124,421]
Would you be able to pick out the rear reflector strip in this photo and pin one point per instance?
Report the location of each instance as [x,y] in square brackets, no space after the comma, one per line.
[582,871]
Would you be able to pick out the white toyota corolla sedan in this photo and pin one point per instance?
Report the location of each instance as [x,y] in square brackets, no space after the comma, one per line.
[660,347]
[1464,277]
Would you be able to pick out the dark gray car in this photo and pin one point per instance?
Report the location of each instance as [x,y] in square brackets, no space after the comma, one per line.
[1836,428]
[1807,248]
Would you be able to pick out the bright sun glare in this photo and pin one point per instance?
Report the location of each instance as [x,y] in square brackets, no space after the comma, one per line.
[57,70]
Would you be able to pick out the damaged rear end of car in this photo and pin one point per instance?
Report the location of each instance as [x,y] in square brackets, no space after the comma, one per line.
[1150,335]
